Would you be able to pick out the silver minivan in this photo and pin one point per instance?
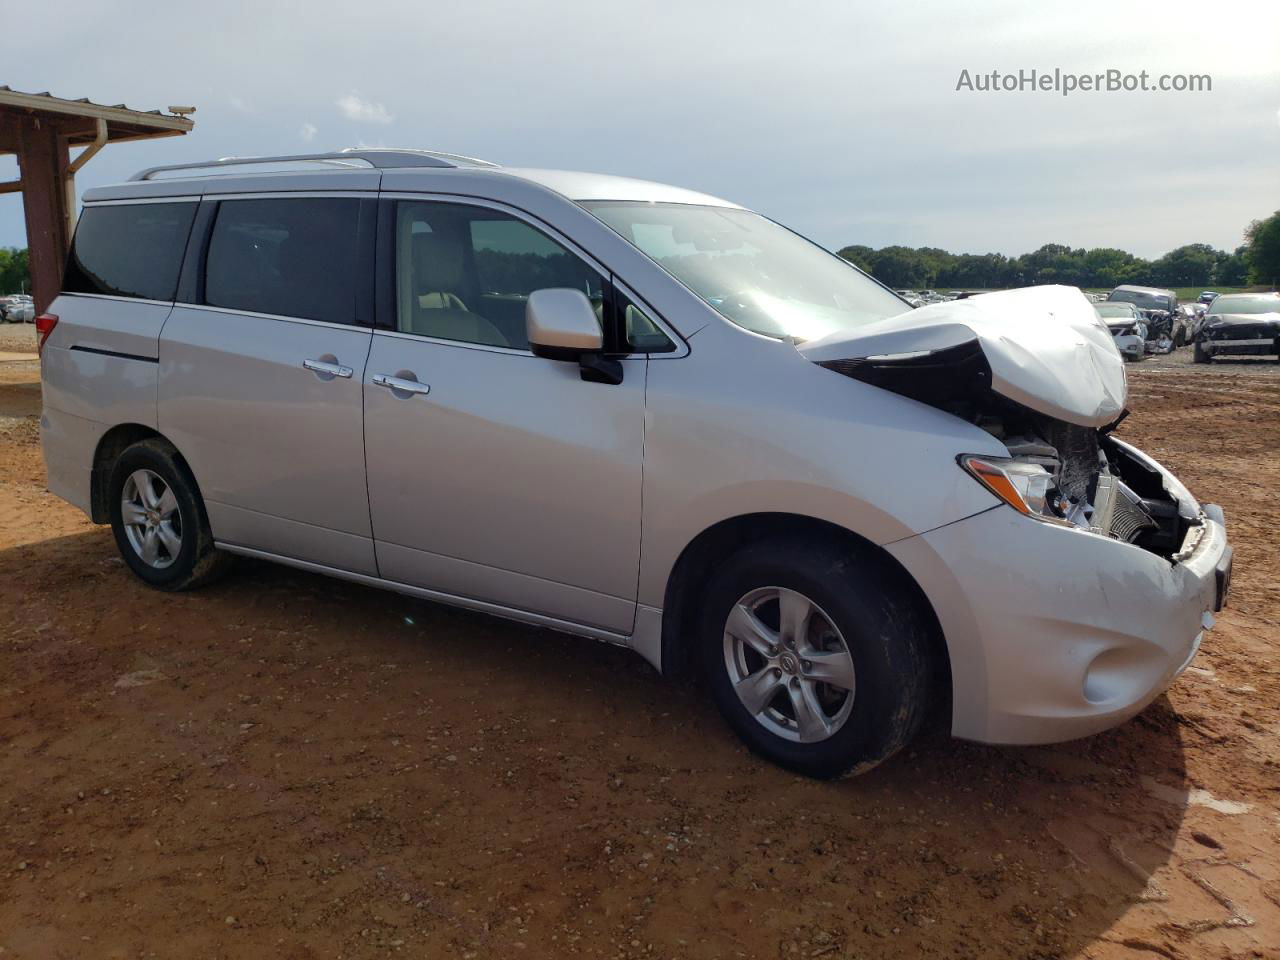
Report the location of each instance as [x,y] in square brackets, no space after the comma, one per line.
[635,413]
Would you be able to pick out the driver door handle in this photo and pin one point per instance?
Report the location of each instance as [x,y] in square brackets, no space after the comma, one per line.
[404,386]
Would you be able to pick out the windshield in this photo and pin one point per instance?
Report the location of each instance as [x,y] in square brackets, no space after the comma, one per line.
[754,272]
[1147,301]
[1115,310]
[1247,305]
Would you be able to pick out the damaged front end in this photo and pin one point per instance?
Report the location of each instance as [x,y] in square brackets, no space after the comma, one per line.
[1049,385]
[1085,478]
[1056,471]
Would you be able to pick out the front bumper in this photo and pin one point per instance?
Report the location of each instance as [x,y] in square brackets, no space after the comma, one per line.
[1056,633]
[1250,346]
[1131,346]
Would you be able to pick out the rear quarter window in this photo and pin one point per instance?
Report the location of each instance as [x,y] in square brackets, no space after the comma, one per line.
[129,250]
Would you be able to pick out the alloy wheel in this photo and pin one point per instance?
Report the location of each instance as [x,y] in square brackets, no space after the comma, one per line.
[151,518]
[789,664]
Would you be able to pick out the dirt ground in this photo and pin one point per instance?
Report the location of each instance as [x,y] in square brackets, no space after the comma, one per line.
[285,766]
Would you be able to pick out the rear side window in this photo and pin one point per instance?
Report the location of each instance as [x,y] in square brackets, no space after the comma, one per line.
[291,257]
[129,250]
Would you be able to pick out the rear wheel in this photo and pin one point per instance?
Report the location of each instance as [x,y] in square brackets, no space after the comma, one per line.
[817,660]
[159,521]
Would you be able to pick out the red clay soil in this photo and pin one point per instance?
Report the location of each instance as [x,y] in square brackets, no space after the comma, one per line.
[284,766]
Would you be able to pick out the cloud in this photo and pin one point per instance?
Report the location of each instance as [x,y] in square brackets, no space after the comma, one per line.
[363,111]
[870,142]
[239,105]
[308,132]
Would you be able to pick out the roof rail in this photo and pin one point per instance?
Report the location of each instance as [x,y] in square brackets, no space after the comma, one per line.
[377,157]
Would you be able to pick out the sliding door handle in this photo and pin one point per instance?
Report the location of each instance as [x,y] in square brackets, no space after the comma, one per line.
[400,385]
[328,369]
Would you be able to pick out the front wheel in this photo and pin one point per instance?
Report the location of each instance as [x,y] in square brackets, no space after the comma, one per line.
[159,521]
[1199,356]
[816,658]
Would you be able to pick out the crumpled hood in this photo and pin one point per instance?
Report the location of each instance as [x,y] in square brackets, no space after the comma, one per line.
[1046,347]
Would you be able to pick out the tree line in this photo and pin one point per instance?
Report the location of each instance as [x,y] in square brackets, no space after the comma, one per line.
[1256,261]
[15,272]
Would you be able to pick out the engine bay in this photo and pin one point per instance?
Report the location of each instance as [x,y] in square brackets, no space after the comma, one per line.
[1091,479]
[1097,483]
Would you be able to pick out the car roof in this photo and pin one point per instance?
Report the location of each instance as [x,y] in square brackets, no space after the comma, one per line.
[1247,296]
[1136,289]
[368,169]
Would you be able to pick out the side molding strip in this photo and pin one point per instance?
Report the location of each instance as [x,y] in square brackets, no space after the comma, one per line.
[467,603]
[114,353]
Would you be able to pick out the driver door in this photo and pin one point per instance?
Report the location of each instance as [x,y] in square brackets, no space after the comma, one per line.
[496,476]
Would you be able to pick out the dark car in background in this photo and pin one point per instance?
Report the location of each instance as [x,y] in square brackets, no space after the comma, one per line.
[1242,325]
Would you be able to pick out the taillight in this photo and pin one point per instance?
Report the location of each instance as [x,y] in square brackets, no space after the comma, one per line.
[44,326]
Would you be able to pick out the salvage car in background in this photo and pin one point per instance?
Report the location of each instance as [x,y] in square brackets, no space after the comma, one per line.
[17,309]
[1159,307]
[1240,325]
[478,385]
[1184,322]
[1127,326]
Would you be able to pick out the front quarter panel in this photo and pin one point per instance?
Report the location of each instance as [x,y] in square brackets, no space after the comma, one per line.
[745,425]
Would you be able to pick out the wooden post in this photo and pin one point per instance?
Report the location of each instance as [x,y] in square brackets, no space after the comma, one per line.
[43,159]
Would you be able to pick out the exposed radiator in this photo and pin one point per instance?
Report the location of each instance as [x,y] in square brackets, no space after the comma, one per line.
[1078,452]
[1129,517]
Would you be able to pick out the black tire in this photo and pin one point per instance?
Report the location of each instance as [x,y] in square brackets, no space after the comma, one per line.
[1199,356]
[883,627]
[196,562]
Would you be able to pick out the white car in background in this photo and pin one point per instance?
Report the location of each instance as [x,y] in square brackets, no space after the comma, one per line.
[17,309]
[1125,322]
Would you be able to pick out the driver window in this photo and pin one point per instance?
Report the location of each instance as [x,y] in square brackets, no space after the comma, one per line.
[465,273]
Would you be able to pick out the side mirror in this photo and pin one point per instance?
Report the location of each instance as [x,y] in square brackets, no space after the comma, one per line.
[561,324]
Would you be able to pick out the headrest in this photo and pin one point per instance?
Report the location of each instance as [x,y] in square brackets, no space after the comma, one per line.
[437,263]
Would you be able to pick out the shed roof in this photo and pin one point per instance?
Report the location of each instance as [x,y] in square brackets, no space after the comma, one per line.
[77,120]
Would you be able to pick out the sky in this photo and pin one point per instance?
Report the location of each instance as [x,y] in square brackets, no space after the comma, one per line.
[841,119]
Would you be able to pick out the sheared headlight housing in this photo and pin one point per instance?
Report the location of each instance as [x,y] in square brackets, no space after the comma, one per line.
[1021,484]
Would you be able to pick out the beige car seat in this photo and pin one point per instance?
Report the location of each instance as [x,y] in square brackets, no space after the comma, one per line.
[438,311]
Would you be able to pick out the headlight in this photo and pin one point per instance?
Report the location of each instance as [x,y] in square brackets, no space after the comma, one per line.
[1019,483]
